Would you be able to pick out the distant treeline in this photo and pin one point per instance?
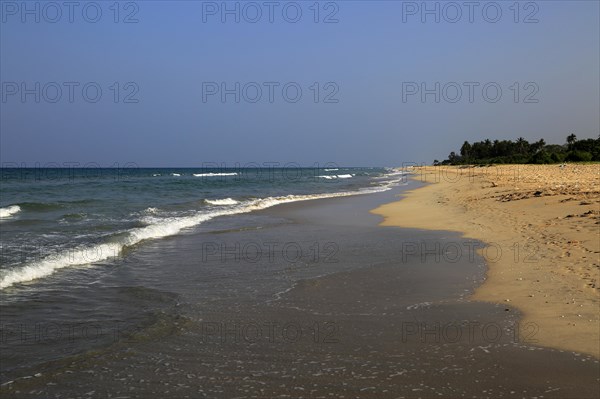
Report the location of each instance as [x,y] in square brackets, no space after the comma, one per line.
[522,151]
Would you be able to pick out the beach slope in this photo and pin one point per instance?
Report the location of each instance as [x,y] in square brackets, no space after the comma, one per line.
[542,230]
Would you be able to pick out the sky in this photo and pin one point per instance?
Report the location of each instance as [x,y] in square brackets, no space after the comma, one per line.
[355,83]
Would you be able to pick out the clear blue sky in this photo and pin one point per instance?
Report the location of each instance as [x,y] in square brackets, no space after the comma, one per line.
[367,55]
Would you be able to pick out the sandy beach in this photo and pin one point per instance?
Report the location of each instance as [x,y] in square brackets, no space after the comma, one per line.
[541,225]
[363,321]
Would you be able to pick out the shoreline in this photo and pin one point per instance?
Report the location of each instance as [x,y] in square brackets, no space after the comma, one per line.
[381,325]
[540,224]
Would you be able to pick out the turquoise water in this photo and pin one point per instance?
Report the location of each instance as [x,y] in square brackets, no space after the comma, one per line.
[53,219]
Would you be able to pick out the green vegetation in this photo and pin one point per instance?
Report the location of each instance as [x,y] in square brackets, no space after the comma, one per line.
[521,151]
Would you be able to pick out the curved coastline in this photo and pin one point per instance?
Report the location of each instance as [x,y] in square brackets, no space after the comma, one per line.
[540,236]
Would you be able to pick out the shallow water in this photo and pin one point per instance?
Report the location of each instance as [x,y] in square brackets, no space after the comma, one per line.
[304,299]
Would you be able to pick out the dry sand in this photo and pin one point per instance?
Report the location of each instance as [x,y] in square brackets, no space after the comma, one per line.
[542,224]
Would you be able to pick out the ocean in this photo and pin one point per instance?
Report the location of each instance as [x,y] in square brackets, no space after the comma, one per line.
[56,218]
[89,256]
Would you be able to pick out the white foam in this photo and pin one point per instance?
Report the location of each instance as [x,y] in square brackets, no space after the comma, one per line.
[214,174]
[97,253]
[50,264]
[419,305]
[225,201]
[392,173]
[156,174]
[9,211]
[175,174]
[158,229]
[330,170]
[396,173]
[329,177]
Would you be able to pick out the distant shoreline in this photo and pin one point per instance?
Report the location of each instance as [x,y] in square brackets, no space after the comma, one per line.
[541,224]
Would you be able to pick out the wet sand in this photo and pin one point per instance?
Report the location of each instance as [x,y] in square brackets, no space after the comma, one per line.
[383,313]
[542,226]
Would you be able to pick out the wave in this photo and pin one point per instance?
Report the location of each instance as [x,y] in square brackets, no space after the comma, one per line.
[73,216]
[397,172]
[96,253]
[330,177]
[52,263]
[214,174]
[42,206]
[330,170]
[50,206]
[9,211]
[392,173]
[176,174]
[226,201]
[157,229]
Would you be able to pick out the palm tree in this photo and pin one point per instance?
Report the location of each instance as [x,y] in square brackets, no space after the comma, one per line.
[571,139]
[538,145]
[465,150]
[522,145]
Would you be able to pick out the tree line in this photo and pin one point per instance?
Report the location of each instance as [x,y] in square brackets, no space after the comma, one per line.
[522,151]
